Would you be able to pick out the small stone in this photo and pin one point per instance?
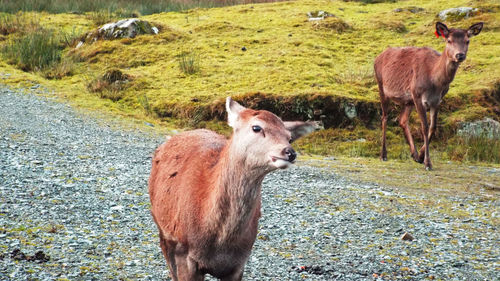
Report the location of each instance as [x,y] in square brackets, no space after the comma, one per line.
[244,49]
[407,237]
[18,255]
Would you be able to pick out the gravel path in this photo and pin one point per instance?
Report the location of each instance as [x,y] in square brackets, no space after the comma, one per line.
[74,206]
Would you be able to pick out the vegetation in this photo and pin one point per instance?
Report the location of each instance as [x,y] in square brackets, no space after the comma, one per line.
[266,56]
[36,50]
[189,63]
[125,8]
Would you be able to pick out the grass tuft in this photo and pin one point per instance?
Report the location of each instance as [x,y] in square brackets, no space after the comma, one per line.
[66,67]
[110,85]
[101,17]
[332,24]
[474,149]
[144,102]
[189,63]
[34,51]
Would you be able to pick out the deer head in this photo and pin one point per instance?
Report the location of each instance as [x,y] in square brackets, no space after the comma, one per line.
[262,138]
[457,40]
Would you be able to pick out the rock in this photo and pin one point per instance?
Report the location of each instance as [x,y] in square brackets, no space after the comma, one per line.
[350,110]
[458,13]
[407,237]
[487,127]
[411,9]
[17,255]
[127,28]
[318,15]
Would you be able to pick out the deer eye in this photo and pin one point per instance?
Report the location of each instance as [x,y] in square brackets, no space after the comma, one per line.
[467,42]
[256,128]
[449,41]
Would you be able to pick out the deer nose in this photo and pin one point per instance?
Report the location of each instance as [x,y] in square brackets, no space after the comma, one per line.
[460,57]
[290,154]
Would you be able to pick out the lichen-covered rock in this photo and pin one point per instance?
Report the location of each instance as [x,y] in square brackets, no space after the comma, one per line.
[318,15]
[458,13]
[487,127]
[127,28]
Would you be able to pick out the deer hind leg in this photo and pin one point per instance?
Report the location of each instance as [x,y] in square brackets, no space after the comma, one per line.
[404,118]
[422,113]
[433,116]
[168,250]
[385,111]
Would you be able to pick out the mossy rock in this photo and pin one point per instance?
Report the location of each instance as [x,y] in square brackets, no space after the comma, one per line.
[456,14]
[127,28]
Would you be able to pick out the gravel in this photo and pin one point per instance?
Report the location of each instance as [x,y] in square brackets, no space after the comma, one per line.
[74,205]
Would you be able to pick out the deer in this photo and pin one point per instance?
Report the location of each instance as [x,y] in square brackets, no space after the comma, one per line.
[205,190]
[419,78]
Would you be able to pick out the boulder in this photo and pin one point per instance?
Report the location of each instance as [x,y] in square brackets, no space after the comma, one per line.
[126,28]
[487,127]
[458,13]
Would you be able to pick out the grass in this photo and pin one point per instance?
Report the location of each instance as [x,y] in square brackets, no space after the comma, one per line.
[110,84]
[189,63]
[125,8]
[293,67]
[34,51]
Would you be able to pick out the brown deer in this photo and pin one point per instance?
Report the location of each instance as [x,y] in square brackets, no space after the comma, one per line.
[420,77]
[205,191]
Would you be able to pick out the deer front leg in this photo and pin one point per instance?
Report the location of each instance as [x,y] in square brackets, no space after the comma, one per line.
[187,269]
[422,113]
[433,116]
[235,276]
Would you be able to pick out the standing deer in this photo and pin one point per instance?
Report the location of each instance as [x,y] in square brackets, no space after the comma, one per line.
[205,191]
[420,77]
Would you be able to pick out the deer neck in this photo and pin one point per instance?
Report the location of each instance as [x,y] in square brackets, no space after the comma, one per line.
[236,197]
[444,70]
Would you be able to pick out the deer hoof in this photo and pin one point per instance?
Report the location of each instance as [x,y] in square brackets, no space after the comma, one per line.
[428,168]
[383,158]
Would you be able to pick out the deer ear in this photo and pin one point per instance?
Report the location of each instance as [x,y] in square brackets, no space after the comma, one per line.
[299,129]
[233,111]
[475,29]
[442,30]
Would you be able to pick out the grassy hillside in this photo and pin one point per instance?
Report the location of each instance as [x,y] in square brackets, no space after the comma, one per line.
[270,56]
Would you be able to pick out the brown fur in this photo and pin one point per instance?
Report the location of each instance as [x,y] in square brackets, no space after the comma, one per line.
[420,77]
[205,193]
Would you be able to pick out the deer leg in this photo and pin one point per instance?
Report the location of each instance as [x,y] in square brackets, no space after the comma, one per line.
[385,112]
[187,269]
[236,276]
[422,113]
[168,250]
[404,118]
[432,130]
